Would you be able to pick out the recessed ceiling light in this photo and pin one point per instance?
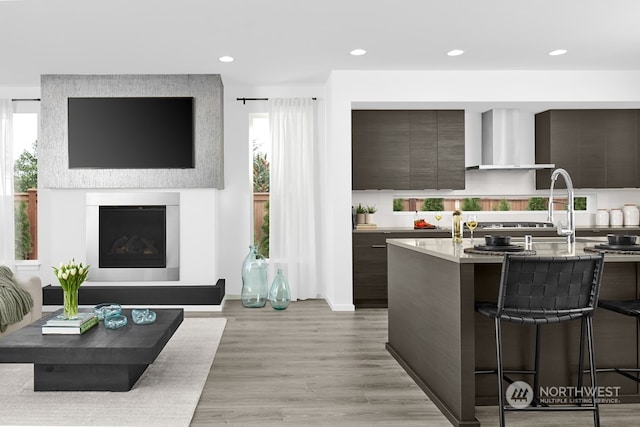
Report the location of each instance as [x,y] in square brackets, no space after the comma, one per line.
[226,59]
[557,52]
[455,52]
[358,52]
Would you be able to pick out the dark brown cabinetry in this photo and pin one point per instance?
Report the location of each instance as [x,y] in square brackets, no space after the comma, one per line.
[370,265]
[599,148]
[407,149]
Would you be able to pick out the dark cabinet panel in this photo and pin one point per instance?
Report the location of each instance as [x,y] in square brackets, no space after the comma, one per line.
[407,149]
[621,136]
[423,143]
[592,137]
[382,149]
[370,265]
[451,150]
[599,148]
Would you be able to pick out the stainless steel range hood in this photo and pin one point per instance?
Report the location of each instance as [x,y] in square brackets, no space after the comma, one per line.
[500,146]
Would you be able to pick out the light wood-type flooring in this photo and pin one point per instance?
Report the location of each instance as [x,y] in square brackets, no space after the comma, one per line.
[310,366]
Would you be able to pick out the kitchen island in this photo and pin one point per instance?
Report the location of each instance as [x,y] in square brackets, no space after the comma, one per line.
[439,339]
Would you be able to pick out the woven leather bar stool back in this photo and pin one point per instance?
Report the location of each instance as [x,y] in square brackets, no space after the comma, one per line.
[628,308]
[538,291]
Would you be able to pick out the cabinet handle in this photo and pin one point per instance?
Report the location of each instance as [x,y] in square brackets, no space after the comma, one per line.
[379,246]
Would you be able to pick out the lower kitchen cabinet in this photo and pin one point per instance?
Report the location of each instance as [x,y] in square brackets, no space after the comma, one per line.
[370,264]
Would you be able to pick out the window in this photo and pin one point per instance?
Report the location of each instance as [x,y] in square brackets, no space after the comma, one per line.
[260,145]
[516,203]
[25,136]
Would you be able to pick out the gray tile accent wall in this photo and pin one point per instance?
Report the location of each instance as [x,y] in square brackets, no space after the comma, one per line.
[53,160]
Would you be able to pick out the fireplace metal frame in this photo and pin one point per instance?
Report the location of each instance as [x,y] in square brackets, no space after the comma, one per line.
[169,273]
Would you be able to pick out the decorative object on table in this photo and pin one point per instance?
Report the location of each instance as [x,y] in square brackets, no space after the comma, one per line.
[438,217]
[71,276]
[472,223]
[143,316]
[494,240]
[420,223]
[498,245]
[602,217]
[631,215]
[64,326]
[370,215]
[255,288]
[115,321]
[617,244]
[621,239]
[616,218]
[107,309]
[360,214]
[280,293]
[456,223]
[499,250]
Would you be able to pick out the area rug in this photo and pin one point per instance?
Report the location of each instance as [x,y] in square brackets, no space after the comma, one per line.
[165,395]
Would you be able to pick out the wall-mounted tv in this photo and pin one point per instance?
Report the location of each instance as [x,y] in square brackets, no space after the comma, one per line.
[131,133]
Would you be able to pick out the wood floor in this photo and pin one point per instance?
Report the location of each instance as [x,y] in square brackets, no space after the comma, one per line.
[309,366]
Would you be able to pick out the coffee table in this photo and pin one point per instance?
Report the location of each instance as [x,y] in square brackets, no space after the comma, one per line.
[101,359]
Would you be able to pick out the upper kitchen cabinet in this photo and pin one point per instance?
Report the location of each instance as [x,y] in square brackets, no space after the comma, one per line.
[407,149]
[599,148]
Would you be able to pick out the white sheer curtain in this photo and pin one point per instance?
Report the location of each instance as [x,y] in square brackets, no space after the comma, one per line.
[292,210]
[7,238]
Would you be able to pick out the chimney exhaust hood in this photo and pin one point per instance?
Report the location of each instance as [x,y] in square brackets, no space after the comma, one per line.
[500,148]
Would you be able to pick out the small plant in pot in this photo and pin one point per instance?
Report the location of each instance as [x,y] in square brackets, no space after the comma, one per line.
[369,215]
[360,214]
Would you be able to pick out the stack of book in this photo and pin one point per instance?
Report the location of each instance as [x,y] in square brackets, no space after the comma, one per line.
[77,326]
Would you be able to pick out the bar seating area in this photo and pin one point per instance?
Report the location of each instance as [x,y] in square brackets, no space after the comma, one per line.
[540,291]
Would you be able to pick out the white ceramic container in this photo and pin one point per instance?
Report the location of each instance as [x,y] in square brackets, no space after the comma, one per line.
[602,217]
[631,214]
[616,218]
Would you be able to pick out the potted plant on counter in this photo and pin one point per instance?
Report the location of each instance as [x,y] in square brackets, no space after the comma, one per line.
[369,217]
[360,214]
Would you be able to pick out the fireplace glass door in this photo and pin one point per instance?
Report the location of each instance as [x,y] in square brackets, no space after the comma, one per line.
[132,236]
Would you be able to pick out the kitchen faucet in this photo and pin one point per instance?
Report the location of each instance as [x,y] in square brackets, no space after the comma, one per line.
[570,231]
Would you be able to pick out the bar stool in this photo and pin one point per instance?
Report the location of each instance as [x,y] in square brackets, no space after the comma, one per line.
[542,290]
[628,308]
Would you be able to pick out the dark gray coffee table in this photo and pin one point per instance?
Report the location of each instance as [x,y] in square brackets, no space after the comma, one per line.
[99,360]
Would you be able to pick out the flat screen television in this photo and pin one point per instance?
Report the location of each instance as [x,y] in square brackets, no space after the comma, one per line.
[131,133]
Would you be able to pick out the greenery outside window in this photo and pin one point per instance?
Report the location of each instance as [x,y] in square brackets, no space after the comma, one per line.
[479,204]
[25,181]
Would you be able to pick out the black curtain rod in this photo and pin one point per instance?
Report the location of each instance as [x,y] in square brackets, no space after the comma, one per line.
[244,100]
[26,99]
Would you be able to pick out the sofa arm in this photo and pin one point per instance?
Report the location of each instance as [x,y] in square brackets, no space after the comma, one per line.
[33,285]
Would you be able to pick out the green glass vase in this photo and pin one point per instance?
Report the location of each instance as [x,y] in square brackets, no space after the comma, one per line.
[255,288]
[280,293]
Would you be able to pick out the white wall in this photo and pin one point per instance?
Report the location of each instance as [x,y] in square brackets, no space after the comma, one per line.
[477,90]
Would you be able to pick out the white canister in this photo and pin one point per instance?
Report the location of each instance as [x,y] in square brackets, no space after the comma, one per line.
[602,217]
[616,218]
[631,214]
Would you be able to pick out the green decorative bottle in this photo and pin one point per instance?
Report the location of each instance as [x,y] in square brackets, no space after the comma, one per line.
[255,287]
[280,293]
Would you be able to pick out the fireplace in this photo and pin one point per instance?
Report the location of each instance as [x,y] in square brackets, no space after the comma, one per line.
[133,236]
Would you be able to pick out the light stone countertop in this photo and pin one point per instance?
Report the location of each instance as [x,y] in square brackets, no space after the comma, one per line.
[544,246]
